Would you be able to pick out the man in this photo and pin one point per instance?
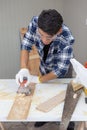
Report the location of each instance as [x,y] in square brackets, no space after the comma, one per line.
[54,43]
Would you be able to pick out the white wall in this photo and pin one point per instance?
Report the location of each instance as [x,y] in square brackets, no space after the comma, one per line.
[75,15]
[15,14]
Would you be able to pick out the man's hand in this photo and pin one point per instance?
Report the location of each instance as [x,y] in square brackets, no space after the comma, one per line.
[21,74]
[81,72]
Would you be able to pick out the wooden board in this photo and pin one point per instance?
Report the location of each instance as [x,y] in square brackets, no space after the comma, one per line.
[71,101]
[21,106]
[34,61]
[51,103]
[76,86]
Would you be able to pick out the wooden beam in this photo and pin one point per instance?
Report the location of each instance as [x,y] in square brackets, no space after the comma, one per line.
[76,86]
[21,106]
[52,102]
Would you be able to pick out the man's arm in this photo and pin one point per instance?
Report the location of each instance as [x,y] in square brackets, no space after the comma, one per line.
[24,64]
[47,77]
[24,58]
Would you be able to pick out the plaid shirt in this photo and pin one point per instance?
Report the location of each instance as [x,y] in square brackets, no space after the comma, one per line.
[60,51]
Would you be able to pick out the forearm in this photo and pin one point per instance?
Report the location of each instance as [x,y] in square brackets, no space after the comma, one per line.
[24,59]
[47,77]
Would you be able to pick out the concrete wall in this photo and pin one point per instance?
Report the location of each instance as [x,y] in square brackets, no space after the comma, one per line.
[15,14]
[75,16]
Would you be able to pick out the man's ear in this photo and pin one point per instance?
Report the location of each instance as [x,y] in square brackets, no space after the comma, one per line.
[60,31]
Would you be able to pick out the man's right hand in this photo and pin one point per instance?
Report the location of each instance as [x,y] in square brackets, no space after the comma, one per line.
[21,74]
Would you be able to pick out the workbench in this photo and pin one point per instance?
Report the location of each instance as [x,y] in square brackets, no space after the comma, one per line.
[43,92]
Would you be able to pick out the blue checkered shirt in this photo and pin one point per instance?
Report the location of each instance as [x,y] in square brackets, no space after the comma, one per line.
[60,51]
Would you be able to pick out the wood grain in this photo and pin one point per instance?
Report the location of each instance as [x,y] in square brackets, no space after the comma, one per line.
[21,106]
[76,86]
[34,61]
[52,102]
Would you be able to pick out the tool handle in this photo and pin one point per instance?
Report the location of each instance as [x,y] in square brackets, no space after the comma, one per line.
[24,81]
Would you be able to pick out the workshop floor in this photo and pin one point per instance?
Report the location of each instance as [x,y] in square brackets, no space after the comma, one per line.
[30,126]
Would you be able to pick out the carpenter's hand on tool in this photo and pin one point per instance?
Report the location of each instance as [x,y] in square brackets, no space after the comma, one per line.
[81,72]
[21,74]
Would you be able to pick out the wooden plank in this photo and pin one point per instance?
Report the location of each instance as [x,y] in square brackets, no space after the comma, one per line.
[34,62]
[76,86]
[71,101]
[23,30]
[21,106]
[52,102]
[34,57]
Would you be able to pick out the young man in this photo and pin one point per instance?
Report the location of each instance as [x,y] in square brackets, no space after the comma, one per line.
[54,43]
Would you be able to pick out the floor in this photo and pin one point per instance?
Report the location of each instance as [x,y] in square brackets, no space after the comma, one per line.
[30,126]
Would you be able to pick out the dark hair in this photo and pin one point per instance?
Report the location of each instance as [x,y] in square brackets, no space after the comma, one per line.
[50,21]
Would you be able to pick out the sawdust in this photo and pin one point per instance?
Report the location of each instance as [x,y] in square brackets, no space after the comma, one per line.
[7,96]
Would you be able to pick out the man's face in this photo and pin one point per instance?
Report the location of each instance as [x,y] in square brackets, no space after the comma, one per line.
[46,38]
